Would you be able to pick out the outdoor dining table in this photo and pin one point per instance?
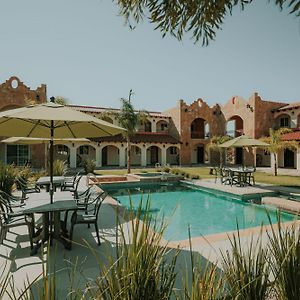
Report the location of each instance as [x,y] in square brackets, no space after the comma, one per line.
[242,174]
[45,181]
[49,210]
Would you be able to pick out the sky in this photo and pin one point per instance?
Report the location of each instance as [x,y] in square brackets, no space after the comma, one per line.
[83,51]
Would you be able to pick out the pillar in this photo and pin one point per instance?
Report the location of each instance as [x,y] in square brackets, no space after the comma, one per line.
[98,157]
[164,156]
[122,157]
[298,159]
[73,157]
[143,157]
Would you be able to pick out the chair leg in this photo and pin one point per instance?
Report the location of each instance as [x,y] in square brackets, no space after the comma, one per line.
[97,232]
[71,235]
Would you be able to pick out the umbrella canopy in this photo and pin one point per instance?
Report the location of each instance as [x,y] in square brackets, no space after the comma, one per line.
[50,120]
[35,121]
[243,141]
[32,141]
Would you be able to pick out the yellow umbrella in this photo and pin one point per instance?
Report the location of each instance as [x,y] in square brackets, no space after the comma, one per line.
[50,120]
[32,141]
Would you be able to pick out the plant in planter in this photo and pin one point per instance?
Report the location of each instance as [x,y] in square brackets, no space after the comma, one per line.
[8,175]
[59,168]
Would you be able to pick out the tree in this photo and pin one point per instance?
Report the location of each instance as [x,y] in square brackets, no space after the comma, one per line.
[277,144]
[215,143]
[61,100]
[201,17]
[129,119]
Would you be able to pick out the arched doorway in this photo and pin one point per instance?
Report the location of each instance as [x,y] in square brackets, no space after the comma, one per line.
[61,152]
[235,128]
[153,155]
[173,155]
[289,158]
[110,156]
[198,129]
[85,152]
[198,154]
[145,126]
[136,155]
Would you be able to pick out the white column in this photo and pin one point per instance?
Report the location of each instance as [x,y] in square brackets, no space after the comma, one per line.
[144,156]
[72,157]
[163,156]
[153,126]
[294,121]
[122,157]
[98,157]
[298,159]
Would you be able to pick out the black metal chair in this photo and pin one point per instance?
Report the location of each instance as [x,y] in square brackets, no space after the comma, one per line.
[250,175]
[10,219]
[90,216]
[27,187]
[70,182]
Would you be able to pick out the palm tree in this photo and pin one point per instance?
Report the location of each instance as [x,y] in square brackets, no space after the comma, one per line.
[129,119]
[60,100]
[214,144]
[277,144]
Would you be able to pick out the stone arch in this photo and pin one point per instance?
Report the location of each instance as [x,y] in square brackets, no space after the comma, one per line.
[61,152]
[85,151]
[110,155]
[283,120]
[173,155]
[235,126]
[162,126]
[154,154]
[136,155]
[200,129]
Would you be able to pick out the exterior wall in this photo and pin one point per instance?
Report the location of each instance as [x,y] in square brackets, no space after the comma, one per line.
[13,94]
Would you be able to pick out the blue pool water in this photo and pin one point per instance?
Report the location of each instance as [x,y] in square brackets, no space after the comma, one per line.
[206,213]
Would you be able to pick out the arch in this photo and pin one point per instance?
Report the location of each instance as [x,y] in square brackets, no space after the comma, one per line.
[85,152]
[200,129]
[61,152]
[136,155]
[145,126]
[162,126]
[199,155]
[173,155]
[235,126]
[110,156]
[283,120]
[153,155]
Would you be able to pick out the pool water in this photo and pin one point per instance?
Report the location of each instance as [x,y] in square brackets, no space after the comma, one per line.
[206,213]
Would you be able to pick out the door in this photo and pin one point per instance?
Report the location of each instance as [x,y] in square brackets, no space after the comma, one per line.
[154,155]
[104,156]
[200,155]
[289,158]
[239,156]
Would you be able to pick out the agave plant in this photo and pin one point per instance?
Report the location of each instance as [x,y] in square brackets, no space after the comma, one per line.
[59,167]
[285,263]
[8,175]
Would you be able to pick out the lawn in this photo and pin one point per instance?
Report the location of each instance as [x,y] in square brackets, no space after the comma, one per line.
[203,172]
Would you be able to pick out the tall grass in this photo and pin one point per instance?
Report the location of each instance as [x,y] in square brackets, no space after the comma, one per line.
[285,261]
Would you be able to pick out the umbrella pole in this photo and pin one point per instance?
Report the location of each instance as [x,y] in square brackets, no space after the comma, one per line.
[51,162]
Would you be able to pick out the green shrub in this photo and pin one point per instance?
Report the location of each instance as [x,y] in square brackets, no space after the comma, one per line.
[166,169]
[194,176]
[89,165]
[59,167]
[182,173]
[8,174]
[187,175]
[158,170]
[174,171]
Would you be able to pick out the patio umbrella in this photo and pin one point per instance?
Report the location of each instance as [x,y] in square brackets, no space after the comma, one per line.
[32,141]
[242,142]
[53,121]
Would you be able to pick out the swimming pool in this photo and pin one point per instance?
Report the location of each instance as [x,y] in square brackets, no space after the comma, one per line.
[206,213]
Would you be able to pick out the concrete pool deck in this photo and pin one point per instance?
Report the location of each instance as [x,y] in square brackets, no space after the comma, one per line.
[15,252]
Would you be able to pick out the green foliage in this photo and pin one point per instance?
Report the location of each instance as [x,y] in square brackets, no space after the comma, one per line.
[166,169]
[140,269]
[89,165]
[214,145]
[202,18]
[8,174]
[59,167]
[61,100]
[195,176]
[246,271]
[285,262]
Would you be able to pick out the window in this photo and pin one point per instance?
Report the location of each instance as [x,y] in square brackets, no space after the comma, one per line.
[173,150]
[284,122]
[62,149]
[84,150]
[17,154]
[163,126]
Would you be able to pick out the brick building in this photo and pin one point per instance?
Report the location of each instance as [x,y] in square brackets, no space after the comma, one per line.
[179,135]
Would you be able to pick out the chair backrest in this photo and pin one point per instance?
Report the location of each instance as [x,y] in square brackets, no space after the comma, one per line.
[4,209]
[98,202]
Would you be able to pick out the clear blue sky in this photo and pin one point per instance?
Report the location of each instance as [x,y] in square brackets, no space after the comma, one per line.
[82,50]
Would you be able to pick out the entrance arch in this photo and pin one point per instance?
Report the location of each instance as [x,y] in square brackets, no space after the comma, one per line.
[110,156]
[198,154]
[61,152]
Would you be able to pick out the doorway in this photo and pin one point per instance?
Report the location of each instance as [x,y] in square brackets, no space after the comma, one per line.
[200,155]
[238,156]
[289,158]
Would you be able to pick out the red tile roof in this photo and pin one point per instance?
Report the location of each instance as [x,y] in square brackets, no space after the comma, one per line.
[291,106]
[141,137]
[292,136]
